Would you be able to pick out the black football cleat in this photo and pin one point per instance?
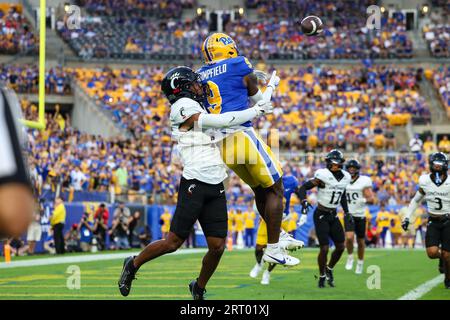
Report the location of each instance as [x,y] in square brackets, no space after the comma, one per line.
[441,266]
[322,282]
[447,283]
[196,292]
[330,277]
[127,276]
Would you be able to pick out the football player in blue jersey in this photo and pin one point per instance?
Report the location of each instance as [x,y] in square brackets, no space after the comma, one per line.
[231,83]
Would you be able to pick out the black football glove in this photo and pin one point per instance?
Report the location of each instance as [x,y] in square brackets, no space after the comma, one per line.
[305,207]
[405,224]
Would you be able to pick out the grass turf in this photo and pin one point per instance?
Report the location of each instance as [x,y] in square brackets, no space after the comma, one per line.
[168,278]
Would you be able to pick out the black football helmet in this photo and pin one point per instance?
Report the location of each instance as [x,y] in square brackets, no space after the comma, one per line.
[353,164]
[177,84]
[439,159]
[335,157]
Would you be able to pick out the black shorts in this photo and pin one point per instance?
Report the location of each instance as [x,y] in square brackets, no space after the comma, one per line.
[438,233]
[358,226]
[203,202]
[328,226]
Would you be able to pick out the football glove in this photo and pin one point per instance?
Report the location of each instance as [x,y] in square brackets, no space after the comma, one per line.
[405,224]
[303,219]
[305,207]
[261,75]
[274,80]
[263,107]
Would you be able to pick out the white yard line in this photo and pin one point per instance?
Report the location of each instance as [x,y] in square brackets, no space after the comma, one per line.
[424,288]
[81,258]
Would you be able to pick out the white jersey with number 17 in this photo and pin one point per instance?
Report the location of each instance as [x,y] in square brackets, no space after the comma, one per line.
[330,195]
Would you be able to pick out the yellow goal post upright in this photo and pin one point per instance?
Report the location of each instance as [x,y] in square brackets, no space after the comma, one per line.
[40,123]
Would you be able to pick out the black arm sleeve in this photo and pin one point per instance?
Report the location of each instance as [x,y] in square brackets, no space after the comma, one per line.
[301,192]
[344,202]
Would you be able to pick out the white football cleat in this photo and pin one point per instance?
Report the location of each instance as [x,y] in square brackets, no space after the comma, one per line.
[265,277]
[279,256]
[288,242]
[256,270]
[359,267]
[349,264]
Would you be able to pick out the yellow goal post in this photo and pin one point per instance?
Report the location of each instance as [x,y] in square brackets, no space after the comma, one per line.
[40,123]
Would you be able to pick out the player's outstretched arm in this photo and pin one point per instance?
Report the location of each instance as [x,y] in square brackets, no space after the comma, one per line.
[308,185]
[254,93]
[228,119]
[301,192]
[412,207]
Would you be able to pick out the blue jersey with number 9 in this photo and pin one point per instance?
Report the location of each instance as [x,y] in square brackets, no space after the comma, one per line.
[227,91]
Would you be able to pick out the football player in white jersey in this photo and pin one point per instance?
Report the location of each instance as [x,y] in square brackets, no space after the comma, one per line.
[435,189]
[331,183]
[359,193]
[201,194]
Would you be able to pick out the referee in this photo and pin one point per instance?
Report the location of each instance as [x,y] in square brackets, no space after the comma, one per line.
[16,196]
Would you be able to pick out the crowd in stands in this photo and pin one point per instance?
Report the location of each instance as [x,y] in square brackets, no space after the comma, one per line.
[276,35]
[441,81]
[62,157]
[317,108]
[25,79]
[155,8]
[15,31]
[339,104]
[132,96]
[132,37]
[281,38]
[437,32]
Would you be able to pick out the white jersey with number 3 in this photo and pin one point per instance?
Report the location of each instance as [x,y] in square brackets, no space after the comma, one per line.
[437,197]
[355,195]
[330,195]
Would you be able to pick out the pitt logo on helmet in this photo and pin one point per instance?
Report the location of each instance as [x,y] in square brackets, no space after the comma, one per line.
[218,46]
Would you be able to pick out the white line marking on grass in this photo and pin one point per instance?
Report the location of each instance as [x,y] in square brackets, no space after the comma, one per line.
[424,288]
[81,258]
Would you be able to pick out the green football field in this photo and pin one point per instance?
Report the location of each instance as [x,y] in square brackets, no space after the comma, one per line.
[400,271]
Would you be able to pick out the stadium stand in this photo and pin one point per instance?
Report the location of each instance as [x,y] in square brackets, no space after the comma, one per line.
[24,79]
[131,35]
[76,162]
[153,8]
[441,81]
[16,35]
[360,121]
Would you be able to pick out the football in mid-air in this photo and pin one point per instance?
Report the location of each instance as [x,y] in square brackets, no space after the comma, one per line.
[311,25]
